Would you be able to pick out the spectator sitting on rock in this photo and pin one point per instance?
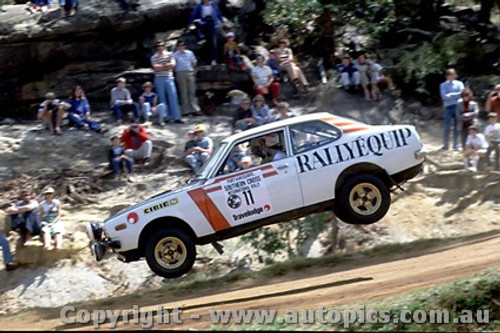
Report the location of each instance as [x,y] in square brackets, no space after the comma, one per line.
[263,79]
[283,111]
[260,111]
[68,7]
[232,53]
[50,213]
[378,77]
[39,5]
[51,111]
[273,63]
[197,155]
[467,113]
[363,65]
[493,101]
[287,63]
[24,217]
[348,74]
[492,134]
[475,147]
[118,159]
[148,102]
[78,108]
[137,143]
[191,142]
[121,101]
[243,118]
[7,254]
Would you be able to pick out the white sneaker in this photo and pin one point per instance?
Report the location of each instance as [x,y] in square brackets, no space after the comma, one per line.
[214,63]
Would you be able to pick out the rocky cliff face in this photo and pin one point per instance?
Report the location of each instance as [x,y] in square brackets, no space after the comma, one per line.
[38,54]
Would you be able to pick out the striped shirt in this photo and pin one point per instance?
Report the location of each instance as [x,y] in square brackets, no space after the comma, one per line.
[164,58]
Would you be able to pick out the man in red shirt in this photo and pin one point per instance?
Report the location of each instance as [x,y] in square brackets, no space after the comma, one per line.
[493,101]
[137,143]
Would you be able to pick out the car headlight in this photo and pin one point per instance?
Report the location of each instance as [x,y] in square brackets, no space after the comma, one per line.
[421,153]
[94,231]
[98,251]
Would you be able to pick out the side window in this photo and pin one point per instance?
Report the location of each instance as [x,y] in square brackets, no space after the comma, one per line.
[255,151]
[312,134]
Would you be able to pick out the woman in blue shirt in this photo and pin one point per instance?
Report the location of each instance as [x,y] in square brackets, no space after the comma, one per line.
[79,111]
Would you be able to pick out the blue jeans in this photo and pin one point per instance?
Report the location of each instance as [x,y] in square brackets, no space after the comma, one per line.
[161,110]
[7,256]
[167,93]
[117,164]
[209,31]
[450,119]
[93,125]
[119,109]
[73,3]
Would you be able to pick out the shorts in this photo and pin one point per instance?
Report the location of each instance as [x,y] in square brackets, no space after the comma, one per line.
[52,228]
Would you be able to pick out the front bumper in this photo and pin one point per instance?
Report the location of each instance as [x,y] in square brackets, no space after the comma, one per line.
[99,244]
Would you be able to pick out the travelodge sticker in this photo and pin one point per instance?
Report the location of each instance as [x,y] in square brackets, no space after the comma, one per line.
[246,195]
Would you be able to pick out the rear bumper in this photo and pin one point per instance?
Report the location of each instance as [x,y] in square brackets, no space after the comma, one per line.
[407,174]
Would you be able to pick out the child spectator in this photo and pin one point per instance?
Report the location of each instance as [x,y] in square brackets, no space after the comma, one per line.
[283,111]
[273,63]
[39,5]
[68,7]
[7,255]
[232,53]
[192,142]
[243,118]
[467,113]
[121,101]
[492,134]
[51,111]
[50,213]
[348,74]
[263,79]
[118,159]
[148,102]
[198,154]
[24,217]
[137,143]
[260,111]
[79,111]
[475,147]
[245,163]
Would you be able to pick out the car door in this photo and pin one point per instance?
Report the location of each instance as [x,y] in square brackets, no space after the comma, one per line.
[261,191]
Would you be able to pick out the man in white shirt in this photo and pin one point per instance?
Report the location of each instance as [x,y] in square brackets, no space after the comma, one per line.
[475,147]
[492,134]
[263,79]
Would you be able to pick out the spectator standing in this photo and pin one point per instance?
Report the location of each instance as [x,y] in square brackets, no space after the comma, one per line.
[51,111]
[24,217]
[79,111]
[7,255]
[287,63]
[148,103]
[348,74]
[475,147]
[263,79]
[198,154]
[185,75]
[50,214]
[118,159]
[242,117]
[136,143]
[68,7]
[121,101]
[450,92]
[492,135]
[163,64]
[467,113]
[260,111]
[493,101]
[207,16]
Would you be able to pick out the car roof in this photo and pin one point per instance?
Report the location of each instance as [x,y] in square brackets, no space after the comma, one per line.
[287,122]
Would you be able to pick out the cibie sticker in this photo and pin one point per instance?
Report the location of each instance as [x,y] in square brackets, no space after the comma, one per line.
[132,218]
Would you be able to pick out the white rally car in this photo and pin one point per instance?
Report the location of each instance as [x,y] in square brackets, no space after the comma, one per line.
[292,168]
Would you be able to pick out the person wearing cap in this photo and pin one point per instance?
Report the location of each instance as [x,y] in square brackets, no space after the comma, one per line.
[163,64]
[185,75]
[263,79]
[148,103]
[198,154]
[118,159]
[136,142]
[451,91]
[207,16]
[245,163]
[7,254]
[50,214]
[467,113]
[492,135]
[51,111]
[121,101]
[274,147]
[475,147]
[24,216]
[287,64]
[232,53]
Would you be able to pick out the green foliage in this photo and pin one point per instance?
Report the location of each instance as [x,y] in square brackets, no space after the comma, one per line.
[285,237]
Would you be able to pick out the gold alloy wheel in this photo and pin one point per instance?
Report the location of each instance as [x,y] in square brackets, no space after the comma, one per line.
[365,199]
[170,252]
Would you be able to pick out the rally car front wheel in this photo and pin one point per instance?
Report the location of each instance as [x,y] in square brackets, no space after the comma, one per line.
[363,199]
[170,253]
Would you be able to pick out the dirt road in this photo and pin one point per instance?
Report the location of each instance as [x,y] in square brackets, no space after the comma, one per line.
[355,281]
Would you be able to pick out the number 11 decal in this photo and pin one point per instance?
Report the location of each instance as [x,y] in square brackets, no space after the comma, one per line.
[249,197]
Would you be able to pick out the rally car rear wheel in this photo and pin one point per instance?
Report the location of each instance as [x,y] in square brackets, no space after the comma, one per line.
[170,253]
[363,199]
